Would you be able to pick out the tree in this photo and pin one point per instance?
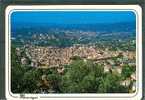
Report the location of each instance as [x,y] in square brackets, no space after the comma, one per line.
[127,70]
[16,72]
[111,84]
[81,77]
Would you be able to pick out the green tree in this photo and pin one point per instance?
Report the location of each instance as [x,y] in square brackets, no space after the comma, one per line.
[127,70]
[81,77]
[111,84]
[16,72]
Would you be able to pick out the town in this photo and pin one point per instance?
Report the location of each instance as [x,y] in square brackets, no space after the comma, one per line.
[53,56]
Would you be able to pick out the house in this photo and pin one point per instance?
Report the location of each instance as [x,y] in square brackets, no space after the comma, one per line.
[126,82]
[23,61]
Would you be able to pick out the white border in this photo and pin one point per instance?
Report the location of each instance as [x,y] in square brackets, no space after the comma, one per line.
[111,96]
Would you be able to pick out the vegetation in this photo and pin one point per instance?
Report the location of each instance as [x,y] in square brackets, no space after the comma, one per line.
[127,71]
[78,77]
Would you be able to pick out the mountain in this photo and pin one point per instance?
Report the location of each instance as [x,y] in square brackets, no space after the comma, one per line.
[68,34]
[18,28]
